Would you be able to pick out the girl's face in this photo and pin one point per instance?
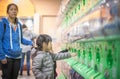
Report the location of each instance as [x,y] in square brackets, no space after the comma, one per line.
[50,46]
[12,12]
[47,47]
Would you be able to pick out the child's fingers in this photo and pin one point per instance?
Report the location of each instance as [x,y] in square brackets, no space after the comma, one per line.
[74,54]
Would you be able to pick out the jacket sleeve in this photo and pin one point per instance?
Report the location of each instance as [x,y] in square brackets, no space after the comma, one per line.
[2,54]
[61,55]
[23,40]
[36,67]
[26,42]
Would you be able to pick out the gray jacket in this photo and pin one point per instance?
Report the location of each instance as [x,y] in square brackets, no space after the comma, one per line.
[43,64]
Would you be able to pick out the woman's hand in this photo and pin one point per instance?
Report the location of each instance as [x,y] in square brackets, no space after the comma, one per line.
[4,61]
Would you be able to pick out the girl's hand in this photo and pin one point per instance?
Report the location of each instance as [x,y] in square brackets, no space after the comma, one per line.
[51,51]
[73,54]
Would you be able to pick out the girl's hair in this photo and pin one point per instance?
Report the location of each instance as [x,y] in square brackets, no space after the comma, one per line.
[48,38]
[8,7]
[39,42]
[43,38]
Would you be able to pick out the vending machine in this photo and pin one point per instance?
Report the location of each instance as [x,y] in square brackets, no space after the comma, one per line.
[93,31]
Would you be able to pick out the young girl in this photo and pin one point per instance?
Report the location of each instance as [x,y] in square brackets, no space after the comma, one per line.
[43,62]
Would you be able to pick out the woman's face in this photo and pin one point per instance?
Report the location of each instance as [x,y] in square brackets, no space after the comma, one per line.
[12,12]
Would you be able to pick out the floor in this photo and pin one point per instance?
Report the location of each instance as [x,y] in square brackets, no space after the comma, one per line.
[24,76]
[32,76]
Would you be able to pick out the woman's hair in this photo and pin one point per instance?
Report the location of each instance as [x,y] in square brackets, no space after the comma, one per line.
[24,26]
[42,38]
[8,7]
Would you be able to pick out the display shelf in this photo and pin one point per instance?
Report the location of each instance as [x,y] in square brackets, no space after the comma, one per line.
[95,37]
[97,58]
[61,76]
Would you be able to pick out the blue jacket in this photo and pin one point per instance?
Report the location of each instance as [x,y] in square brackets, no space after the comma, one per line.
[10,40]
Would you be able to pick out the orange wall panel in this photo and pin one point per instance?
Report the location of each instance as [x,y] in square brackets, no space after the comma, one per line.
[3,6]
[26,8]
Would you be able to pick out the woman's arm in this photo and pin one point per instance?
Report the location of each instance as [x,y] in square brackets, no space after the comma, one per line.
[2,54]
[26,42]
[23,40]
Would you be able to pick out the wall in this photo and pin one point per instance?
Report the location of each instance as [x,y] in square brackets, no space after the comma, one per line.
[46,7]
[3,6]
[47,10]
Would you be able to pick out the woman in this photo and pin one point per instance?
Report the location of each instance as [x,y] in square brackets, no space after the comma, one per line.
[26,49]
[10,39]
